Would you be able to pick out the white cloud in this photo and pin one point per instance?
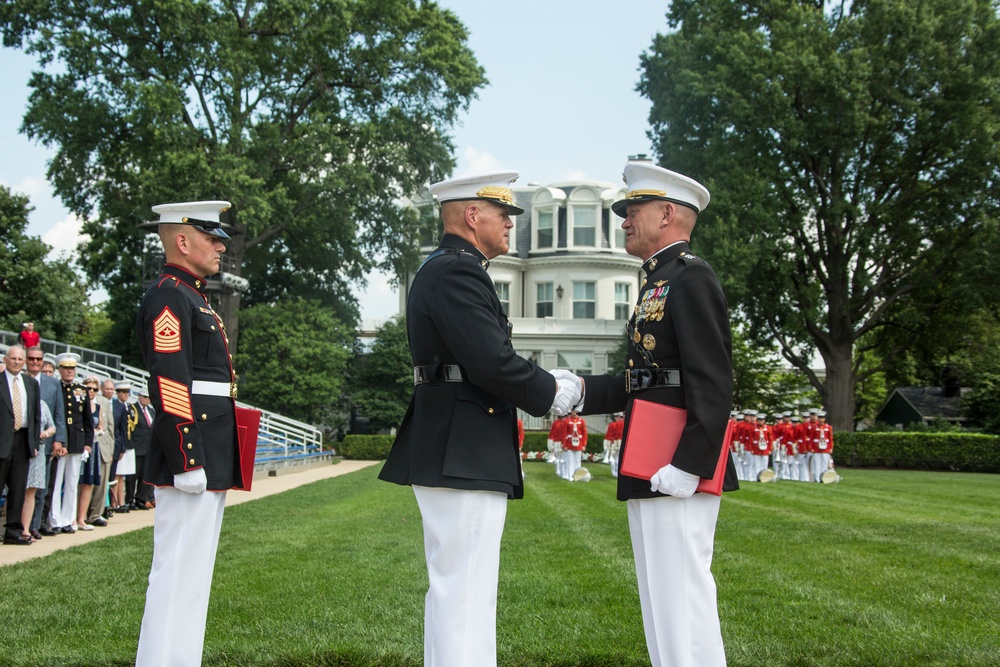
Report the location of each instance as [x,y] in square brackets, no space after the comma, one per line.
[35,187]
[474,161]
[65,236]
[378,300]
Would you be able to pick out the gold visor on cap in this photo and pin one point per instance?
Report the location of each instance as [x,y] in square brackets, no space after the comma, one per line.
[633,194]
[494,192]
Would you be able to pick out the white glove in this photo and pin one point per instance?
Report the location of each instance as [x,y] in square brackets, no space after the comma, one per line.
[193,481]
[673,482]
[567,396]
[562,374]
[84,457]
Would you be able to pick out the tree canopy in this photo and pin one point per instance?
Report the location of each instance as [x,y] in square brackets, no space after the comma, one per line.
[382,380]
[852,153]
[33,288]
[294,360]
[314,118]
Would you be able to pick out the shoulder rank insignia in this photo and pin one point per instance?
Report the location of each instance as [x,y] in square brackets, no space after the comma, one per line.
[166,332]
[687,255]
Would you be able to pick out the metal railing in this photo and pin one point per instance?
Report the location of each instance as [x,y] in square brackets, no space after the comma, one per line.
[52,348]
[279,437]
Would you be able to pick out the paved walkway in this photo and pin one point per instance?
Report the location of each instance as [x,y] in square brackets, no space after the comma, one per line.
[121,523]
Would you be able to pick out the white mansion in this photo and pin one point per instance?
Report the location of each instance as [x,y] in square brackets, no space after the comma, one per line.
[567,284]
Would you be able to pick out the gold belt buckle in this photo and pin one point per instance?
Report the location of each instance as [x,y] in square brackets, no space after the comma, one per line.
[232,390]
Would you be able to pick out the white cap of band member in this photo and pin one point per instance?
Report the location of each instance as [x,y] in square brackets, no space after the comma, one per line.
[67,360]
[202,215]
[494,187]
[645,182]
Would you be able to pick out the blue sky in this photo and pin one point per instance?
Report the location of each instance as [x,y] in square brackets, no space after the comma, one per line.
[561,104]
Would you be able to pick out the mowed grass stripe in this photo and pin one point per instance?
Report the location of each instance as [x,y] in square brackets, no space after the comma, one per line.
[887,568]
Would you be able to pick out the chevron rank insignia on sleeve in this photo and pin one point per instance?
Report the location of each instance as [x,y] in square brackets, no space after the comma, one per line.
[176,399]
[166,332]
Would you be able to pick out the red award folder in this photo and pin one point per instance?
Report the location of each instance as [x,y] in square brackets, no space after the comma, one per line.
[654,432]
[247,427]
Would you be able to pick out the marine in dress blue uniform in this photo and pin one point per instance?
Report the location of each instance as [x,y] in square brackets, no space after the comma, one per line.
[679,355]
[193,457]
[457,445]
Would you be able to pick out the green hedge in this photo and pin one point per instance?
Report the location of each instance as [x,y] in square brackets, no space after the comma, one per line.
[376,447]
[538,441]
[967,452]
[366,447]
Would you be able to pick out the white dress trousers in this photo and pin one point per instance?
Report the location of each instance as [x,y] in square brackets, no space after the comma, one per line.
[672,541]
[64,491]
[462,531]
[185,538]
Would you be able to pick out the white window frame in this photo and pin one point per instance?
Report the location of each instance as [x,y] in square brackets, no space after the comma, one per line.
[579,286]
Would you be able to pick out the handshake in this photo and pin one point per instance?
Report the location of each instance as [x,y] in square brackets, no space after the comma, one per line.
[569,392]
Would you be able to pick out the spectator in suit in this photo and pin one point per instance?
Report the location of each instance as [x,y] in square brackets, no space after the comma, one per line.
[51,394]
[20,424]
[105,436]
[138,494]
[79,439]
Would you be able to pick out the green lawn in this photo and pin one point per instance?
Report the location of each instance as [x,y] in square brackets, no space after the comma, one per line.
[885,568]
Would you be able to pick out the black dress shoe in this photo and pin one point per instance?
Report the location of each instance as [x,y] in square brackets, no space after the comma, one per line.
[48,532]
[68,530]
[35,534]
[20,539]
[137,506]
[99,522]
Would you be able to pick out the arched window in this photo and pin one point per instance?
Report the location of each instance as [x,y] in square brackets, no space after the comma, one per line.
[584,218]
[545,218]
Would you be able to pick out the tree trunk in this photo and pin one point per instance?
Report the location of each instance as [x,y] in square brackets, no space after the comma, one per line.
[838,389]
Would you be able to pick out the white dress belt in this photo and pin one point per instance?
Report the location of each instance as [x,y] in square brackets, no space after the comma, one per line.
[206,388]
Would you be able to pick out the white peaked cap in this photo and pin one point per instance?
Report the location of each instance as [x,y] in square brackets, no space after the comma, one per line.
[202,215]
[645,182]
[494,187]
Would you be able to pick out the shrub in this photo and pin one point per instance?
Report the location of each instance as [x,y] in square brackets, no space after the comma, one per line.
[366,447]
[968,452]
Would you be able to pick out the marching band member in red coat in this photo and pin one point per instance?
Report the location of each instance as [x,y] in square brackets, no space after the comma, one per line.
[556,436]
[574,442]
[762,442]
[616,430]
[822,446]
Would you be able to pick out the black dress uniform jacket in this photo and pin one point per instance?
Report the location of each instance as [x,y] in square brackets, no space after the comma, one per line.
[463,435]
[681,321]
[182,340]
[79,421]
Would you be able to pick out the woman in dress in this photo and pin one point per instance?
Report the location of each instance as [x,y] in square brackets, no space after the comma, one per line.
[126,464]
[90,470]
[36,474]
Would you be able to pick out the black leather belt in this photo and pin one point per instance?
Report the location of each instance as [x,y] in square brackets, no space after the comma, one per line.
[637,379]
[433,373]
